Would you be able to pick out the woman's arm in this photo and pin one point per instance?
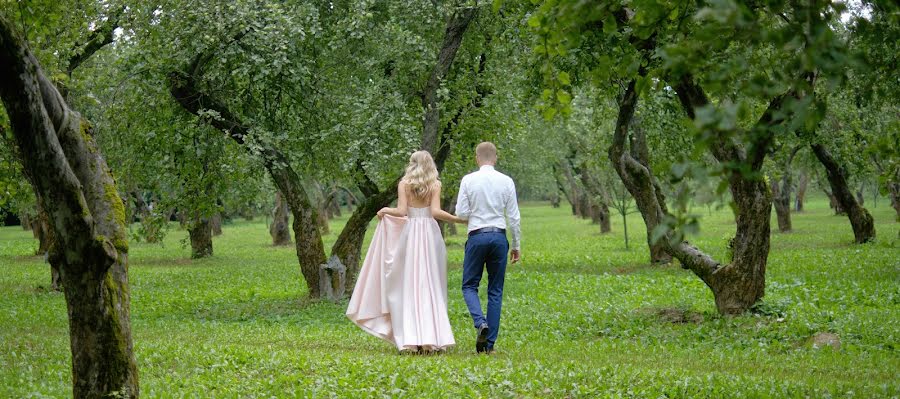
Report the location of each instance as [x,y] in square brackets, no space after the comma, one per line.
[402,208]
[436,210]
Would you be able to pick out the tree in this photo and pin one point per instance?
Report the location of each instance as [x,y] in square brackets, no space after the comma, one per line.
[87,217]
[657,47]
[781,190]
[279,231]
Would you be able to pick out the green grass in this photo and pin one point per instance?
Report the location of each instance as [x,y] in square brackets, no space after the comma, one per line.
[580,320]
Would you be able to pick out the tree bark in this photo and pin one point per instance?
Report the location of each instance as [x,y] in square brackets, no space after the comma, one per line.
[860,220]
[281,234]
[200,232]
[85,213]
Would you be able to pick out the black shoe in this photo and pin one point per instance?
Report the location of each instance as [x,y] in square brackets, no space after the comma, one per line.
[481,341]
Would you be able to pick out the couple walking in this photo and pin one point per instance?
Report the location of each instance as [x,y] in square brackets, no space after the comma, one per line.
[401,293]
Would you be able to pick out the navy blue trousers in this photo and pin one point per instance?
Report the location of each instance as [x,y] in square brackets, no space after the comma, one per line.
[485,251]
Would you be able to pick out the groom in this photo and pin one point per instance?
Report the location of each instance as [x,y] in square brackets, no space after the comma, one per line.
[484,197]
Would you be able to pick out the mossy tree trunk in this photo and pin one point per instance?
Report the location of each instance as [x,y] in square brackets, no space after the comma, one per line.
[860,220]
[215,224]
[281,234]
[200,232]
[87,216]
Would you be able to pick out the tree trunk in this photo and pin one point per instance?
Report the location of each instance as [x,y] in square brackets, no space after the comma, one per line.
[860,220]
[598,196]
[348,246]
[555,199]
[42,231]
[860,194]
[281,234]
[833,203]
[453,35]
[575,194]
[55,278]
[324,228]
[741,283]
[894,192]
[335,205]
[448,204]
[782,200]
[215,224]
[86,215]
[634,170]
[200,232]
[801,192]
[781,193]
[48,245]
[25,220]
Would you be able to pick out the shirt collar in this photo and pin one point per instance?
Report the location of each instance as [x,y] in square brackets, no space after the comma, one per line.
[486,167]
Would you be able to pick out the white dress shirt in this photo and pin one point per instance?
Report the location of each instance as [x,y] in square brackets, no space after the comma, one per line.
[485,196]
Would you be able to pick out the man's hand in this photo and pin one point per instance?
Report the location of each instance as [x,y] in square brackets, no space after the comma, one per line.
[514,255]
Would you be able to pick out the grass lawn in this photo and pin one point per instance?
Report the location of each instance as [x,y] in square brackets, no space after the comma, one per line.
[582,319]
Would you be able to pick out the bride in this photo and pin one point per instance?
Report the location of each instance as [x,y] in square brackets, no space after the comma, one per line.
[401,293]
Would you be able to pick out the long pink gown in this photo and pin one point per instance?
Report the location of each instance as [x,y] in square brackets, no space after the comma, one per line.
[401,293]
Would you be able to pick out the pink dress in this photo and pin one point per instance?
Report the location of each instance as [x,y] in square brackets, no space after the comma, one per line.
[401,293]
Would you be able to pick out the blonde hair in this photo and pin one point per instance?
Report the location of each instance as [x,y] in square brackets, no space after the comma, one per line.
[421,174]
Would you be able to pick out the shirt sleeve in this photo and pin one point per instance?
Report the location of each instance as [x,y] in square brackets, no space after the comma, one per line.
[513,219]
[463,210]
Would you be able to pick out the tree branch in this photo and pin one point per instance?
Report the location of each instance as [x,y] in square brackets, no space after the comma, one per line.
[453,35]
[97,39]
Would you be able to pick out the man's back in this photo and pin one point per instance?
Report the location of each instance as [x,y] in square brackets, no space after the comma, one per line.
[485,197]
